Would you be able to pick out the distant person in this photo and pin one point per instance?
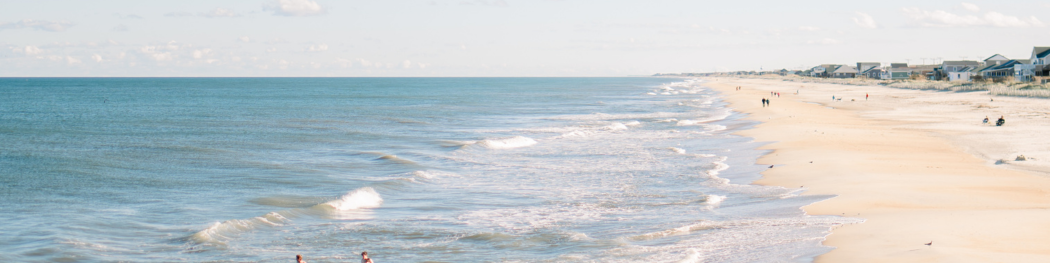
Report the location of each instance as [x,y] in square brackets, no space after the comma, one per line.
[299,259]
[985,120]
[832,97]
[865,96]
[1000,122]
[763,102]
[365,258]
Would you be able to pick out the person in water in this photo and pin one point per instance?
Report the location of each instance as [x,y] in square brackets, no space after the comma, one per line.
[299,259]
[365,258]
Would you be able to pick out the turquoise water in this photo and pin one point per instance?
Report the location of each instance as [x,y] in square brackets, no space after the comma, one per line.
[409,169]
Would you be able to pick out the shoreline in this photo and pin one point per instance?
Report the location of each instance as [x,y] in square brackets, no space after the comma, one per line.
[910,163]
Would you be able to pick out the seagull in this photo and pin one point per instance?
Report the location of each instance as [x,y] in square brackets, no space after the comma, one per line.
[770,166]
[929,244]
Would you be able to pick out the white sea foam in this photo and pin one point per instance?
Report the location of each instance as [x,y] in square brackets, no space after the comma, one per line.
[364,197]
[719,167]
[687,122]
[220,232]
[677,150]
[507,143]
[616,126]
[713,201]
[632,123]
[713,127]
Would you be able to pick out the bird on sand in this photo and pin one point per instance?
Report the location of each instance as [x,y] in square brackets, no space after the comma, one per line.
[929,244]
[770,166]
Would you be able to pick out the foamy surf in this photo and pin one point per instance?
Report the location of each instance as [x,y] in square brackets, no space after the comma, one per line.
[220,232]
[364,197]
[507,143]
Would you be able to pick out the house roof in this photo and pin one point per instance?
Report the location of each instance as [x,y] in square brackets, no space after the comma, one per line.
[845,69]
[869,69]
[1007,65]
[1040,52]
[961,63]
[996,57]
[898,65]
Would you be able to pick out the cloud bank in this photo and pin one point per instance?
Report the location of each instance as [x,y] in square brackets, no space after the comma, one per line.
[939,18]
[298,8]
[53,26]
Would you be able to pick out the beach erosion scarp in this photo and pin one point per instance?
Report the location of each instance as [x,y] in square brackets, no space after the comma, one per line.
[918,166]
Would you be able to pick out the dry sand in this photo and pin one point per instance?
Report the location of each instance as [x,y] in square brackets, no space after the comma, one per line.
[919,166]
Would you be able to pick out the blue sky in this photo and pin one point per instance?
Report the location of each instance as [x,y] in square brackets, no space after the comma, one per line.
[498,37]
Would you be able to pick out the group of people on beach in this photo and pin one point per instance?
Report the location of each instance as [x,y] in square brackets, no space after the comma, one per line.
[364,258]
[999,122]
[765,102]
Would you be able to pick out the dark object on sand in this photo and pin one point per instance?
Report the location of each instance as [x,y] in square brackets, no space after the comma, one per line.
[1000,122]
[929,244]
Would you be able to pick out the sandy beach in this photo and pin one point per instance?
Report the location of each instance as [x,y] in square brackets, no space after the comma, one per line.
[918,166]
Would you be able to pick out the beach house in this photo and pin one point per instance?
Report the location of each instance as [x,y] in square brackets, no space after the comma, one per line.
[869,69]
[956,70]
[995,60]
[845,72]
[1010,70]
[896,71]
[824,70]
[1040,65]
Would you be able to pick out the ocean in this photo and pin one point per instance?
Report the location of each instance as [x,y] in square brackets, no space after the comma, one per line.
[408,169]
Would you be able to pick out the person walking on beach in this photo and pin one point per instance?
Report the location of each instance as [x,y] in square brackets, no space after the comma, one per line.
[763,102]
[365,258]
[865,96]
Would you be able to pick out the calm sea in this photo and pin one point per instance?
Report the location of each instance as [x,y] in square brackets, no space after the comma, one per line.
[408,169]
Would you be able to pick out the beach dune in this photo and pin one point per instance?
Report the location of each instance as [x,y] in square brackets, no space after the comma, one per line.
[918,166]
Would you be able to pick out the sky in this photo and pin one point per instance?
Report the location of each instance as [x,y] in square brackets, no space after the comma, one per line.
[498,38]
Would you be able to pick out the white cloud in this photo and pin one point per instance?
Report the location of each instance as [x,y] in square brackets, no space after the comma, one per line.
[53,26]
[120,28]
[71,60]
[826,41]
[201,53]
[32,50]
[364,63]
[298,8]
[1001,20]
[97,57]
[939,18]
[220,12]
[166,56]
[971,7]
[406,64]
[132,16]
[499,3]
[808,28]
[865,20]
[244,39]
[421,65]
[318,48]
[178,14]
